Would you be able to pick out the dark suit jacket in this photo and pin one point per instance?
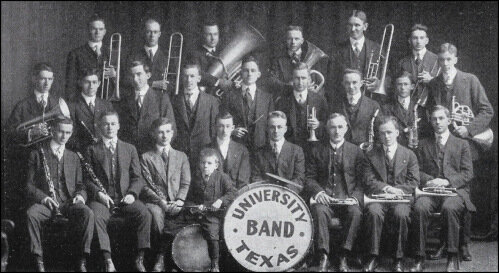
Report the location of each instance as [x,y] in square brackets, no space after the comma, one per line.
[157,66]
[468,91]
[233,103]
[80,58]
[290,164]
[238,163]
[317,170]
[191,139]
[340,59]
[358,131]
[135,127]
[199,56]
[37,186]
[406,170]
[287,104]
[457,165]
[179,175]
[80,112]
[219,186]
[128,169]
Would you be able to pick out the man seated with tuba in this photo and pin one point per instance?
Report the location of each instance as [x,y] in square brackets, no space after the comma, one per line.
[391,169]
[334,174]
[444,161]
[55,185]
[168,177]
[296,50]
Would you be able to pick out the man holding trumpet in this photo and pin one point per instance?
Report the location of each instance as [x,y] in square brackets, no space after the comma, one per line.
[334,186]
[445,161]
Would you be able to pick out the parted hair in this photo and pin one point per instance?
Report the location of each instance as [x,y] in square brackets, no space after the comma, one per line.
[439,107]
[90,72]
[250,58]
[37,68]
[301,66]
[336,115]
[160,122]
[95,17]
[352,71]
[277,114]
[224,115]
[448,47]
[359,14]
[108,113]
[133,64]
[418,27]
[209,152]
[294,27]
[404,74]
[384,119]
[62,120]
[151,20]
[192,65]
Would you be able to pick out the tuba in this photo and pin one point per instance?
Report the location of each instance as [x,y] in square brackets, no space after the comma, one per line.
[435,191]
[228,62]
[367,146]
[462,115]
[113,62]
[61,110]
[373,67]
[316,54]
[387,198]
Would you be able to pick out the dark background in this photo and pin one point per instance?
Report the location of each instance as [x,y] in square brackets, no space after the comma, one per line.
[47,31]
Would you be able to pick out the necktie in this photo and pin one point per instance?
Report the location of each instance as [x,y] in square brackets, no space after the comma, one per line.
[294,58]
[97,50]
[351,101]
[91,106]
[189,103]
[111,147]
[440,143]
[300,99]
[164,156]
[43,102]
[139,100]
[247,96]
[206,178]
[388,155]
[275,150]
[356,49]
[418,61]
[58,153]
[151,55]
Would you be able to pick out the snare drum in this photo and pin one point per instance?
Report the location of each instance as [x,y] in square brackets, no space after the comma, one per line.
[268,228]
[190,250]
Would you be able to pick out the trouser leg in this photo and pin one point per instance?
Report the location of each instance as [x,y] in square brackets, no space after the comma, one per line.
[322,216]
[36,215]
[452,209]
[400,215]
[140,217]
[101,216]
[375,217]
[420,218]
[352,221]
[82,217]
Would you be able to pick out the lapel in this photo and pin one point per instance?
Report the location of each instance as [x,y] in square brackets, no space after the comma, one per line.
[238,95]
[268,156]
[344,112]
[459,83]
[283,156]
[132,105]
[100,155]
[232,155]
[148,102]
[362,114]
[345,52]
[367,48]
[200,111]
[377,158]
[449,147]
[122,155]
[35,109]
[180,101]
[69,171]
[158,164]
[85,110]
[399,112]
[400,161]
[260,103]
[292,112]
[173,159]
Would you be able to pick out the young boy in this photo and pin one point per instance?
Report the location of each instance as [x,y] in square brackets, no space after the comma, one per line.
[211,189]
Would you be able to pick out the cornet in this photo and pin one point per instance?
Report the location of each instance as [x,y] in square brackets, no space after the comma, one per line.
[311,114]
[387,198]
[435,191]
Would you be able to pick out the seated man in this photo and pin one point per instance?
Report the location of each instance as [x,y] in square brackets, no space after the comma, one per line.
[116,164]
[444,161]
[334,172]
[279,156]
[168,177]
[391,169]
[55,185]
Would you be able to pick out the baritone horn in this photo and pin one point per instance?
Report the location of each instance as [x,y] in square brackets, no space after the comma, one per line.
[311,59]
[311,114]
[373,66]
[110,88]
[228,63]
[435,191]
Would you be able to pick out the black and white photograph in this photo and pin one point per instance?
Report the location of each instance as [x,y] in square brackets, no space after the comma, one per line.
[249,136]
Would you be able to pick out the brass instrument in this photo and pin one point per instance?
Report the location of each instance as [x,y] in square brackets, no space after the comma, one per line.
[229,62]
[94,138]
[61,110]
[373,67]
[311,114]
[178,66]
[311,59]
[462,115]
[413,130]
[112,62]
[423,95]
[435,191]
[387,198]
[367,146]
[202,210]
[337,202]
[56,213]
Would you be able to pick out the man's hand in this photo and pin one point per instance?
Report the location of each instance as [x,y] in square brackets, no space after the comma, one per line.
[164,206]
[78,199]
[50,203]
[177,207]
[395,191]
[322,198]
[240,132]
[128,199]
[106,200]
[462,131]
[161,84]
[425,76]
[372,83]
[438,182]
[352,201]
[224,84]
[109,72]
[217,204]
[313,123]
[40,129]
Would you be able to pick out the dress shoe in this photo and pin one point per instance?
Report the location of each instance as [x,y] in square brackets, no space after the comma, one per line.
[418,265]
[139,264]
[439,254]
[465,253]
[489,236]
[324,263]
[214,266]
[452,263]
[110,266]
[399,266]
[371,264]
[343,264]
[40,267]
[159,266]
[82,265]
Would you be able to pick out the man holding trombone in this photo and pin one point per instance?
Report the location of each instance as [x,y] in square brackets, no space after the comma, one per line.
[334,186]
[445,161]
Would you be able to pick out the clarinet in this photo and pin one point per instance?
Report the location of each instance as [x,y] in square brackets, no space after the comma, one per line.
[154,187]
[57,215]
[413,130]
[367,146]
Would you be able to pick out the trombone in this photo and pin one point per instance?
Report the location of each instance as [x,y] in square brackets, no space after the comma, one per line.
[178,57]
[112,62]
[372,70]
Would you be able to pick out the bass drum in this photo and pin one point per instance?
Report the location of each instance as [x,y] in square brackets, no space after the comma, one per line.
[268,228]
[190,250]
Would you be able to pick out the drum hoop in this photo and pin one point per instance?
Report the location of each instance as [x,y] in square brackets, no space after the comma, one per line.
[310,244]
[176,240]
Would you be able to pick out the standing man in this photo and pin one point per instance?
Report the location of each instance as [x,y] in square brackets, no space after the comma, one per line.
[445,161]
[356,107]
[85,110]
[116,164]
[64,171]
[234,157]
[335,172]
[140,107]
[90,55]
[249,105]
[298,104]
[391,169]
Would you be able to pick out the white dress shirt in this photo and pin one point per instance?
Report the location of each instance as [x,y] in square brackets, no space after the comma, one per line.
[110,142]
[298,53]
[154,50]
[210,49]
[39,96]
[449,76]
[301,97]
[93,44]
[444,137]
[419,54]
[141,93]
[279,145]
[252,90]
[88,99]
[166,148]
[194,97]
[336,146]
[404,102]
[57,149]
[354,99]
[223,145]
[360,43]
[391,150]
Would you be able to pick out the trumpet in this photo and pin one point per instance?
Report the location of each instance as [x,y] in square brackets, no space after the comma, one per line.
[373,67]
[367,146]
[435,191]
[312,114]
[387,198]
[112,62]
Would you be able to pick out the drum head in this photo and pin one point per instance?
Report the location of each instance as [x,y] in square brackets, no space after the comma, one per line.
[190,250]
[268,228]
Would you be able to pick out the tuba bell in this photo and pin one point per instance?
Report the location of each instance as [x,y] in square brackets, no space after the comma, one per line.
[228,62]
[316,54]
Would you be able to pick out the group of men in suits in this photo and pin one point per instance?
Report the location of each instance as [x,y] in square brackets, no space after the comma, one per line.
[196,148]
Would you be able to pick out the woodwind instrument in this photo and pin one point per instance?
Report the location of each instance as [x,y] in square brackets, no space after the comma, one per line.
[56,213]
[413,130]
[387,198]
[435,191]
[367,146]
[94,138]
[311,114]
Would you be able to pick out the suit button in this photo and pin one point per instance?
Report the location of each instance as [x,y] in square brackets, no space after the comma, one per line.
[334,185]
[334,174]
